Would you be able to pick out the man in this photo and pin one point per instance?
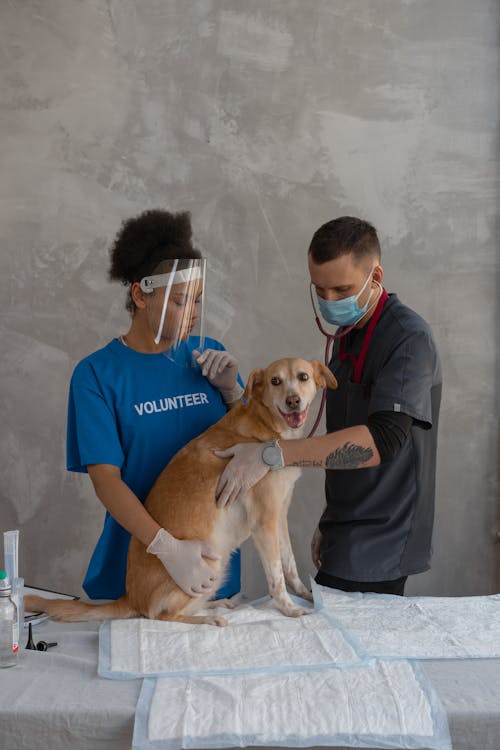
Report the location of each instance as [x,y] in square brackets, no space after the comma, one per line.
[380,448]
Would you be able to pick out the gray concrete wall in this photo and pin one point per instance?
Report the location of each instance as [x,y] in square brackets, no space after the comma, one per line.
[265,119]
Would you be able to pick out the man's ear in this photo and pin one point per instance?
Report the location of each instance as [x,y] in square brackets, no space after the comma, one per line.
[323,376]
[378,273]
[255,383]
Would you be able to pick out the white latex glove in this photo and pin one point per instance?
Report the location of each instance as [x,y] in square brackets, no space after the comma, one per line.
[221,370]
[241,473]
[185,563]
[315,545]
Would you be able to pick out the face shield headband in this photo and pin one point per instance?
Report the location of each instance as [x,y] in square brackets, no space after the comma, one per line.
[176,308]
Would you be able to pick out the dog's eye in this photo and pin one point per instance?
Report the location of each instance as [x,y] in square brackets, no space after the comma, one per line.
[303,376]
[276,380]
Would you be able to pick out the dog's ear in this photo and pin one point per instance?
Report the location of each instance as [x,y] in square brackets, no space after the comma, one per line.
[323,376]
[255,383]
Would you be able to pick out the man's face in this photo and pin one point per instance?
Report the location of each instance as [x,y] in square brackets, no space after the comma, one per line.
[342,277]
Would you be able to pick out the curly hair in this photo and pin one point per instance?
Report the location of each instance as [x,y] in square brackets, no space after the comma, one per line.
[342,236]
[145,240]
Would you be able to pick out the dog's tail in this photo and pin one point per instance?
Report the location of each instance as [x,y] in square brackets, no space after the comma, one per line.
[75,611]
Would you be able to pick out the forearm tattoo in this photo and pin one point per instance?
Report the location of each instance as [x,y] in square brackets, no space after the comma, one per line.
[349,456]
[307,464]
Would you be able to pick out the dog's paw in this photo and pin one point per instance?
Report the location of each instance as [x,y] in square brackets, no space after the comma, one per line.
[217,620]
[226,603]
[305,594]
[296,611]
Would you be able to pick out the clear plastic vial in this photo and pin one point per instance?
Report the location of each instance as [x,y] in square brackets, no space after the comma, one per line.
[9,645]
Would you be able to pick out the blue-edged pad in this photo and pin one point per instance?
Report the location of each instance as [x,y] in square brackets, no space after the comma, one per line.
[420,627]
[381,704]
[257,639]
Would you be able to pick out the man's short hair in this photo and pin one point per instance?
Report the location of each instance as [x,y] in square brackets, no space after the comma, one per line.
[343,236]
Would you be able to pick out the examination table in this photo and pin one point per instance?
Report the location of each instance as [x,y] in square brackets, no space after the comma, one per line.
[55,700]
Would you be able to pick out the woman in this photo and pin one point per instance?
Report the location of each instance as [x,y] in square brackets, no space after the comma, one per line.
[137,401]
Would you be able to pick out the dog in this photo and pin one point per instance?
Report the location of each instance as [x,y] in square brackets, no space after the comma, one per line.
[182,500]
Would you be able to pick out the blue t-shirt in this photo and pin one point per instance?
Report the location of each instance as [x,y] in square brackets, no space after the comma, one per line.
[135,411]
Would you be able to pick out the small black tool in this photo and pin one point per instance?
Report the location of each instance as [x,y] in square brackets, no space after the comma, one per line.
[43,645]
[40,646]
[31,642]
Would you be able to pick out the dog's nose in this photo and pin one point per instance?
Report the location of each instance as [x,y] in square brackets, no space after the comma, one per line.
[293,401]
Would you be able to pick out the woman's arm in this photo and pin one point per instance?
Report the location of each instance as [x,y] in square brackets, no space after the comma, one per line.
[123,505]
[184,559]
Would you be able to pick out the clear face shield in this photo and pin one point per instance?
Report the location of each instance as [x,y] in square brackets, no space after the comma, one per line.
[176,307]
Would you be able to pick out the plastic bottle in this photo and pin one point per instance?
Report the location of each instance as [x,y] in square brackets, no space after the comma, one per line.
[9,636]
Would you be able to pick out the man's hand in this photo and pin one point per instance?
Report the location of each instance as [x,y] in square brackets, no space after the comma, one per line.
[184,561]
[315,546]
[221,370]
[241,473]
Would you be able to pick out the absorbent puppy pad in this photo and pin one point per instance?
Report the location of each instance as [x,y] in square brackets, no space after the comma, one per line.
[381,704]
[257,639]
[419,627]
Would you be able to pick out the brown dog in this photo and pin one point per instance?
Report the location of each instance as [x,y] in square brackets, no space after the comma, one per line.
[183,501]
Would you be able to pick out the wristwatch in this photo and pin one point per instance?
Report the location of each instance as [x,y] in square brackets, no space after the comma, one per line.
[272,455]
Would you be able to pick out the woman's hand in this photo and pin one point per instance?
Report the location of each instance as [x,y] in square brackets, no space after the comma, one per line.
[185,562]
[221,370]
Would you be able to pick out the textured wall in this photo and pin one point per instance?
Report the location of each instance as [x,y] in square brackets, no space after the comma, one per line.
[265,120]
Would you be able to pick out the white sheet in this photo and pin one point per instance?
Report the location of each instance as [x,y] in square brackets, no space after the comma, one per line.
[56,700]
[383,705]
[256,639]
[416,627]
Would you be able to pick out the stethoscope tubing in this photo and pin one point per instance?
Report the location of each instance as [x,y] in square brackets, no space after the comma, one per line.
[330,338]
[329,342]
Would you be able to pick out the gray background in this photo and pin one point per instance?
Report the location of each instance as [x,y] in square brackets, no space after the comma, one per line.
[265,119]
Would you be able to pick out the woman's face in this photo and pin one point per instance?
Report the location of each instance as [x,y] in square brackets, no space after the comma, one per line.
[181,313]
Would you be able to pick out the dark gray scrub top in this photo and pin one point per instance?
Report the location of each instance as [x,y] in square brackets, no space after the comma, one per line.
[378,521]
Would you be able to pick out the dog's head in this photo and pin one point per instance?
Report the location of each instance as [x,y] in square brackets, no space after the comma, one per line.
[287,387]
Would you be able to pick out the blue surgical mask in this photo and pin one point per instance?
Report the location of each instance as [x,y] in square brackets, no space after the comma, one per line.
[345,312]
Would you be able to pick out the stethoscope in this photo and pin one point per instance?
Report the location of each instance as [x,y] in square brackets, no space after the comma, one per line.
[330,338]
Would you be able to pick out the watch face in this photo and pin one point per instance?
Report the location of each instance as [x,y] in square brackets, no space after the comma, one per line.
[271,455]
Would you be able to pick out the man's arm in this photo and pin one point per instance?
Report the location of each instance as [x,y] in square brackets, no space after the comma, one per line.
[358,447]
[353,447]
[350,448]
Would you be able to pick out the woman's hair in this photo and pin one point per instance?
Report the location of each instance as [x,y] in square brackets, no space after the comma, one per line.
[144,241]
[342,236]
